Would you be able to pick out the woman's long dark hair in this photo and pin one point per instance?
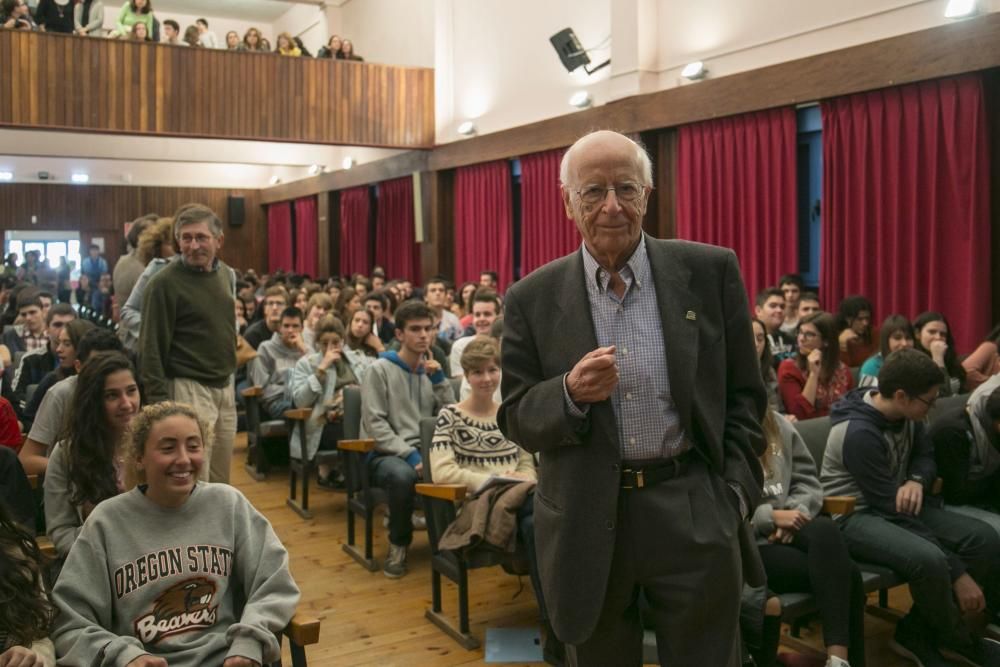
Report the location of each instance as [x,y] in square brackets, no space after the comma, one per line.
[355,343]
[826,325]
[951,363]
[75,329]
[893,324]
[850,308]
[25,612]
[91,442]
[766,357]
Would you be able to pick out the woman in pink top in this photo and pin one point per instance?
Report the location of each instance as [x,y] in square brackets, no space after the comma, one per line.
[984,362]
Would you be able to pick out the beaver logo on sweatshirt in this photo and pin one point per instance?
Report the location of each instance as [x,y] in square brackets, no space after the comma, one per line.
[183,607]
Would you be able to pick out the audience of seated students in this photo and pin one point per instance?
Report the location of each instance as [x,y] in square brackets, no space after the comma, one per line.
[26,614]
[275,302]
[377,305]
[84,468]
[361,346]
[252,40]
[398,391]
[858,339]
[362,286]
[933,338]
[768,374]
[332,49]
[816,378]
[485,311]
[37,363]
[139,33]
[792,287]
[155,250]
[172,33]
[132,12]
[769,308]
[334,287]
[318,306]
[233,41]
[469,449]
[378,279]
[317,381]
[302,47]
[109,614]
[347,303]
[463,304]
[966,441]
[436,296]
[48,423]
[88,18]
[347,51]
[17,16]
[298,298]
[32,334]
[274,362]
[984,362]
[67,341]
[286,47]
[192,37]
[803,551]
[241,315]
[206,37]
[896,333]
[878,452]
[55,16]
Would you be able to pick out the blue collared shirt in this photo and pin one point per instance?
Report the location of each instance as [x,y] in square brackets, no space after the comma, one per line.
[648,424]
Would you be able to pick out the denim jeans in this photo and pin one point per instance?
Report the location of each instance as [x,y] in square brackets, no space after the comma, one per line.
[924,564]
[983,515]
[398,479]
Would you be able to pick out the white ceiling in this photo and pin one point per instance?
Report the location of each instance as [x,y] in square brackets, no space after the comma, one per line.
[265,11]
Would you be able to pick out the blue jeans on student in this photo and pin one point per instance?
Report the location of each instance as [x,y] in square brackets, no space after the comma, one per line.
[399,480]
[924,564]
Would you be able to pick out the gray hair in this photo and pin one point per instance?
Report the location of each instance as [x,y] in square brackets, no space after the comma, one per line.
[645,163]
[191,214]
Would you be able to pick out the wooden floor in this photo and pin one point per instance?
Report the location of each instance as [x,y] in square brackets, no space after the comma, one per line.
[368,619]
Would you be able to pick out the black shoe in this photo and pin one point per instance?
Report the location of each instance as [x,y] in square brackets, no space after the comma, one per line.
[554,651]
[912,642]
[980,653]
[333,481]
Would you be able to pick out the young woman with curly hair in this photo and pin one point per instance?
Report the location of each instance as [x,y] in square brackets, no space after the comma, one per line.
[25,615]
[85,467]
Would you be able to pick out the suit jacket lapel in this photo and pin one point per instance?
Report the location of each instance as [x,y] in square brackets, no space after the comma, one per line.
[677,305]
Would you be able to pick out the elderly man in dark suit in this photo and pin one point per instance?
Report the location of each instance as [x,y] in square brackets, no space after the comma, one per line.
[630,367]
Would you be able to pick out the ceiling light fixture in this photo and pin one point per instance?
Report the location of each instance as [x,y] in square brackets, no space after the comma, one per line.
[348,162]
[315,169]
[275,180]
[6,176]
[467,129]
[80,178]
[581,99]
[960,9]
[694,71]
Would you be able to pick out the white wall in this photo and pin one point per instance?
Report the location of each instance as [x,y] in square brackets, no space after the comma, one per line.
[387,31]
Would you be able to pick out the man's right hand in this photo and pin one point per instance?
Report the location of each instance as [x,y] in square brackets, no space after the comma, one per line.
[790,519]
[148,661]
[594,377]
[969,595]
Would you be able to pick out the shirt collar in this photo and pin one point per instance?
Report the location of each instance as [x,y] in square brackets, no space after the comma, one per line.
[636,268]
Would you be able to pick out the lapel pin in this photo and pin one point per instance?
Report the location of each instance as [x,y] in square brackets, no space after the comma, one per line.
[691,316]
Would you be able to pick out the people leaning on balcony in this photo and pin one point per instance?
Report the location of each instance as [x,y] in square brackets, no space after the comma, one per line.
[16,16]
[132,12]
[286,46]
[88,18]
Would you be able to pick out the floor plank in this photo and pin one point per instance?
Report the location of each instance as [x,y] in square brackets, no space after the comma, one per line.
[369,620]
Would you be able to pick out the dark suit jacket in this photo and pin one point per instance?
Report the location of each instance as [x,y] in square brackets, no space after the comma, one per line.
[716,386]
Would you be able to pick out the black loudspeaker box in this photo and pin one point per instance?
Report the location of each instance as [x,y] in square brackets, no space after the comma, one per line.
[237,211]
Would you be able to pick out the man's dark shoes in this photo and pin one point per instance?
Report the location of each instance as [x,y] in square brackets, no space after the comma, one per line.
[913,643]
[979,653]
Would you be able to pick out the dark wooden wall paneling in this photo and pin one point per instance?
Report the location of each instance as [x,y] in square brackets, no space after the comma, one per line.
[103,210]
[65,82]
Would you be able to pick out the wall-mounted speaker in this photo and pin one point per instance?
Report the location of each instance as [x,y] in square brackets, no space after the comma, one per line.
[237,210]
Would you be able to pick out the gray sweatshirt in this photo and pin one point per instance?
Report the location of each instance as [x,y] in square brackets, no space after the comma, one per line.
[792,483]
[271,368]
[195,584]
[394,400]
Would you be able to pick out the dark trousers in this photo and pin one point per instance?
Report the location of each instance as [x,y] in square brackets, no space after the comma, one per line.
[526,533]
[677,543]
[399,480]
[817,561]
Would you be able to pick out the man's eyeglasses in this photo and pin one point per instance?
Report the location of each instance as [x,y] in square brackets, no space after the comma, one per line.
[929,404]
[628,191]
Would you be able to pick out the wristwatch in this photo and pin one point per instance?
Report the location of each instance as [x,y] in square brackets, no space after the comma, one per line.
[916,478]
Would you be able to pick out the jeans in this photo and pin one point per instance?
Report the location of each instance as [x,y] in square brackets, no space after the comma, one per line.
[925,565]
[398,479]
[986,516]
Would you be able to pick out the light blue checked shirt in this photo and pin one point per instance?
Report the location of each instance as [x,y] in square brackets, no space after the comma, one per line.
[648,424]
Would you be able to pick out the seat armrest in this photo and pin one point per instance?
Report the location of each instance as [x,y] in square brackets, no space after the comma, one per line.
[302,630]
[298,414]
[452,492]
[362,446]
[839,504]
[937,487]
[34,481]
[252,392]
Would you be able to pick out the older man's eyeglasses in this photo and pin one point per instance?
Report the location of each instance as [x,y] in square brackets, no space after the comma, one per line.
[628,191]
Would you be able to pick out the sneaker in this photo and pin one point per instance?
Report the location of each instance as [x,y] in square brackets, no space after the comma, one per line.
[834,661]
[983,652]
[334,481]
[395,562]
[419,521]
[912,643]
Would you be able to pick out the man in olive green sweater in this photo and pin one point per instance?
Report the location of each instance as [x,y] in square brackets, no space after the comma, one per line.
[187,344]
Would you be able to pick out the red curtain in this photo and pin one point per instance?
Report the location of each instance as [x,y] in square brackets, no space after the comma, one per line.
[355,211]
[279,237]
[306,236]
[483,222]
[396,249]
[736,188]
[546,232]
[906,202]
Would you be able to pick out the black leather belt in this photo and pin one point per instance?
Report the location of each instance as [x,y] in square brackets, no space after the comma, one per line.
[640,477]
